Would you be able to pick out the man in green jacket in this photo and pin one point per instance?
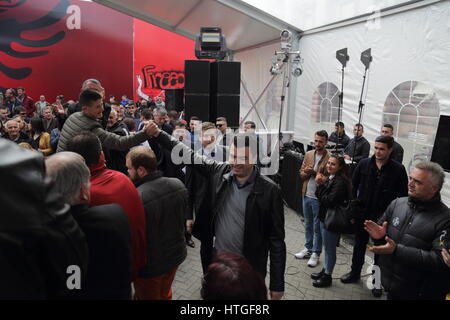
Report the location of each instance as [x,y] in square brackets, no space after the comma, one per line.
[87,120]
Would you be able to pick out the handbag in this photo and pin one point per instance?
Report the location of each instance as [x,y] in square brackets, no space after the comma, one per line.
[338,219]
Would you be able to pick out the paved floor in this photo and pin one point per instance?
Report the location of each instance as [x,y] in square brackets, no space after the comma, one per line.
[298,286]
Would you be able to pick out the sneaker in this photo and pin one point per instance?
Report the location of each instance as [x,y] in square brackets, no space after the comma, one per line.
[318,275]
[314,260]
[304,254]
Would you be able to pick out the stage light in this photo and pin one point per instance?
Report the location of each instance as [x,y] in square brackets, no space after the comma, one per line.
[210,44]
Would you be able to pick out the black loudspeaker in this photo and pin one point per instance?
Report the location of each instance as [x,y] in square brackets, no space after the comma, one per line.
[226,77]
[174,99]
[225,90]
[197,75]
[197,105]
[226,106]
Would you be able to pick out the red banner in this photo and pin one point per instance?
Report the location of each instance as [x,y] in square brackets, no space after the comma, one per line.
[51,46]
[159,59]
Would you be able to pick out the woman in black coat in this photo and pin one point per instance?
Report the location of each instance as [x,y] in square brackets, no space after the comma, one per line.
[331,192]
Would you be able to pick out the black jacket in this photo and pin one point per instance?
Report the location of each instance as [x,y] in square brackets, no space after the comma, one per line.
[397,152]
[200,196]
[39,239]
[264,214]
[343,140]
[362,149]
[332,193]
[376,196]
[416,269]
[115,159]
[108,235]
[165,202]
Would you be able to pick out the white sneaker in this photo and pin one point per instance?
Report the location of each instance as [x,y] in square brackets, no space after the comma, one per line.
[314,260]
[304,254]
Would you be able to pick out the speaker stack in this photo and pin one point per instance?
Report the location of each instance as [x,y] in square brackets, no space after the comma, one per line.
[174,99]
[212,90]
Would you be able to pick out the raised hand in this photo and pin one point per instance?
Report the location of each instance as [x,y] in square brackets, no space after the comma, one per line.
[388,248]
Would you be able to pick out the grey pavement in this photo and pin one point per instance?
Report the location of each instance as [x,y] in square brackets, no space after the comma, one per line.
[298,284]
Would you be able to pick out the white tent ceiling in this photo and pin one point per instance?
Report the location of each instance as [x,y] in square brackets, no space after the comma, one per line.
[311,14]
[243,25]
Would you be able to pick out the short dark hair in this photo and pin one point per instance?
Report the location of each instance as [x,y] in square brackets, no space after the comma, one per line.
[248,141]
[131,125]
[388,125]
[143,157]
[147,114]
[87,145]
[322,133]
[180,124]
[194,118]
[359,125]
[251,123]
[88,96]
[388,140]
[173,114]
[339,124]
[221,119]
[231,277]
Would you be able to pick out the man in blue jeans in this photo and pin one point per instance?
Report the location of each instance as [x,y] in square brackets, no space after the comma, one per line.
[313,163]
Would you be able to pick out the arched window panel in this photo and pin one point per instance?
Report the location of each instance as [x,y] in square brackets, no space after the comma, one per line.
[325,103]
[413,109]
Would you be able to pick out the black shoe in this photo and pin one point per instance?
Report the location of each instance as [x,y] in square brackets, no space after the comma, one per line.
[317,275]
[377,293]
[350,277]
[324,281]
[190,243]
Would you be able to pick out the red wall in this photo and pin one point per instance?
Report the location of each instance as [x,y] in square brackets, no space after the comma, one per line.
[101,48]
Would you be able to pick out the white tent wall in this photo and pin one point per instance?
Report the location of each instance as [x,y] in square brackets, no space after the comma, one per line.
[255,66]
[410,49]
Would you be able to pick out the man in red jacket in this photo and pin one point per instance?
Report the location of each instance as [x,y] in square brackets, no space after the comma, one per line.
[110,186]
[26,101]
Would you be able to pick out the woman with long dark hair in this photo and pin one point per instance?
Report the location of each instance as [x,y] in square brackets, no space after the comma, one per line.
[40,140]
[331,192]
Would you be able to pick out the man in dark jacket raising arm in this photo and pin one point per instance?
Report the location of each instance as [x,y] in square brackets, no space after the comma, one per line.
[414,229]
[247,214]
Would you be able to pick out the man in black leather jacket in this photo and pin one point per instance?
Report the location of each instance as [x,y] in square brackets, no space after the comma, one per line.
[247,215]
[413,229]
[39,239]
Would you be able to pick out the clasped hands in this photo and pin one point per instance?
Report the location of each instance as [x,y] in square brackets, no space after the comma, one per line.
[378,232]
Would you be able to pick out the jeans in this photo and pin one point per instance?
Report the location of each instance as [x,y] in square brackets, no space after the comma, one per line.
[313,237]
[330,240]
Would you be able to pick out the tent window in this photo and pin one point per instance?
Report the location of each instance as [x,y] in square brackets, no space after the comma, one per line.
[325,103]
[413,109]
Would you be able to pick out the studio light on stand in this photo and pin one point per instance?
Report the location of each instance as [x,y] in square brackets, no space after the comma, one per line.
[343,57]
[366,59]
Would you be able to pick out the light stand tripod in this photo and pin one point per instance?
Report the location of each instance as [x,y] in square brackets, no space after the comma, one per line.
[366,59]
[342,57]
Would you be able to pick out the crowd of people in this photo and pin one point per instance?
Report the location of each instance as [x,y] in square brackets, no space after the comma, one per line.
[124,187]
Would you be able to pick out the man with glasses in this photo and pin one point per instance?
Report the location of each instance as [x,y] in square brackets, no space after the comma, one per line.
[226,134]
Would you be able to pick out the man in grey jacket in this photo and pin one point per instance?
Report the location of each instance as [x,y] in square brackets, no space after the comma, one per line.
[87,119]
[165,201]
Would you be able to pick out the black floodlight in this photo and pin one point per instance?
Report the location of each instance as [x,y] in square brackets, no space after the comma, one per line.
[366,57]
[342,57]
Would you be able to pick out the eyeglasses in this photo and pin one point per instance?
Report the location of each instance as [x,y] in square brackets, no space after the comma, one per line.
[219,125]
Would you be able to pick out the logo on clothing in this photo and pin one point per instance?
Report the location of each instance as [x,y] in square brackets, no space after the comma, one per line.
[396,222]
